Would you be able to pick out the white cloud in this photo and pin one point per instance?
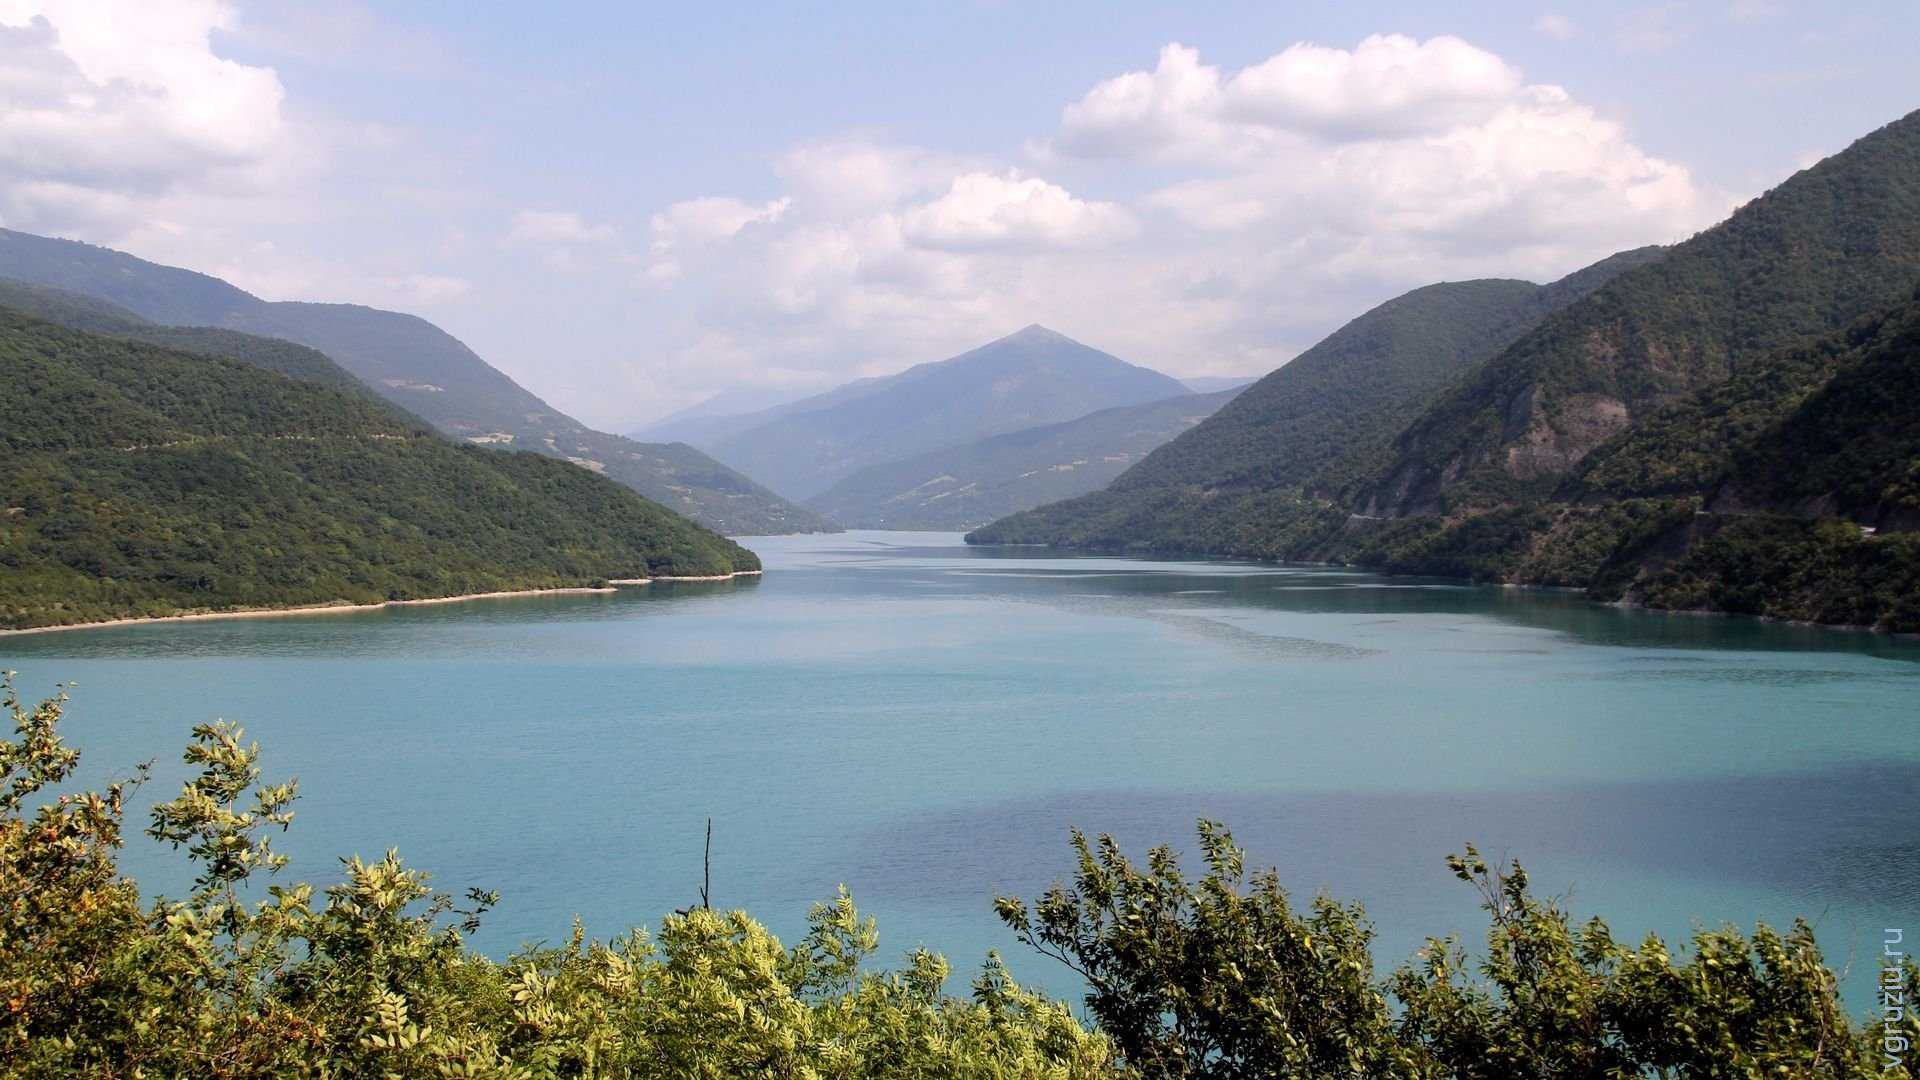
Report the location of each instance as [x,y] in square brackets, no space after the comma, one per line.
[107,105]
[1217,221]
[1554,25]
[710,219]
[1748,11]
[348,35]
[1434,149]
[1388,86]
[1651,29]
[121,123]
[660,274]
[1165,113]
[983,210]
[555,228]
[855,174]
[693,229]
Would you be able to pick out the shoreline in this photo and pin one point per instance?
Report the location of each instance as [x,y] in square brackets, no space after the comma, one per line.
[682,577]
[1622,605]
[337,607]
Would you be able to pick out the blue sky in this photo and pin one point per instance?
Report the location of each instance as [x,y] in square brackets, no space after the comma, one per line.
[629,207]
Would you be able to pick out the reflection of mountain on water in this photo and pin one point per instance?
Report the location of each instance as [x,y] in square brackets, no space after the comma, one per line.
[1042,574]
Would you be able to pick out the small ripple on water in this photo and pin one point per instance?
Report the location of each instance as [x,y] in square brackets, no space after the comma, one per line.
[1740,676]
[1215,631]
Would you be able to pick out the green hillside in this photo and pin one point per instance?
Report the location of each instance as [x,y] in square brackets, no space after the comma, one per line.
[418,366]
[1791,490]
[1317,419]
[1780,486]
[79,311]
[1023,380]
[1826,426]
[141,480]
[1828,245]
[961,487]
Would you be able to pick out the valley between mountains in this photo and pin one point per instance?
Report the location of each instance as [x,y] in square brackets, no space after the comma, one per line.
[1730,424]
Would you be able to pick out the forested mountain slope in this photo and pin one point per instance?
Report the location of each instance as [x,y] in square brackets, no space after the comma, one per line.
[1790,490]
[1828,245]
[1780,486]
[79,311]
[416,365]
[140,480]
[1324,412]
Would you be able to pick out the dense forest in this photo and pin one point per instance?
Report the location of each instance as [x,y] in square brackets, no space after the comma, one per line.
[140,480]
[1213,488]
[79,311]
[404,359]
[1824,248]
[1727,427]
[1213,976]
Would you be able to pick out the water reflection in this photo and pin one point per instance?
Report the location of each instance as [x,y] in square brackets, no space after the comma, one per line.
[1840,835]
[1312,590]
[931,567]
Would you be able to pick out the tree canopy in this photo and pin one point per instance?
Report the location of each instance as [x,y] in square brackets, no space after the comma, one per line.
[142,480]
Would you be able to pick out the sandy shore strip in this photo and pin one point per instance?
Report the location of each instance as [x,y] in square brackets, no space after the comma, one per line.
[682,577]
[328,609]
[311,609]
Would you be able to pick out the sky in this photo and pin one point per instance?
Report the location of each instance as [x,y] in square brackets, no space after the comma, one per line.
[629,207]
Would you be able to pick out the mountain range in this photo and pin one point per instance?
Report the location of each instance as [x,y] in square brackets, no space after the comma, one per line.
[960,487]
[1210,384]
[732,409]
[1727,424]
[1024,380]
[415,364]
[1721,426]
[1323,412]
[1032,417]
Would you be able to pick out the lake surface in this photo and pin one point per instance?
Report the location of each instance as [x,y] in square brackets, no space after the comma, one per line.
[924,722]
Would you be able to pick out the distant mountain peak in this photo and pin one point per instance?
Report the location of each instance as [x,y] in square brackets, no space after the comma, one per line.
[1036,332]
[1029,378]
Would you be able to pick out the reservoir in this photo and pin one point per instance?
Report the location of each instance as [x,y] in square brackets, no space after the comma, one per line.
[924,722]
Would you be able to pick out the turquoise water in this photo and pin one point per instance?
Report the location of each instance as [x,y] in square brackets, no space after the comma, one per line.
[923,722]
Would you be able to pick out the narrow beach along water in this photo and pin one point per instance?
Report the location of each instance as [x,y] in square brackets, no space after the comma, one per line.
[924,722]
